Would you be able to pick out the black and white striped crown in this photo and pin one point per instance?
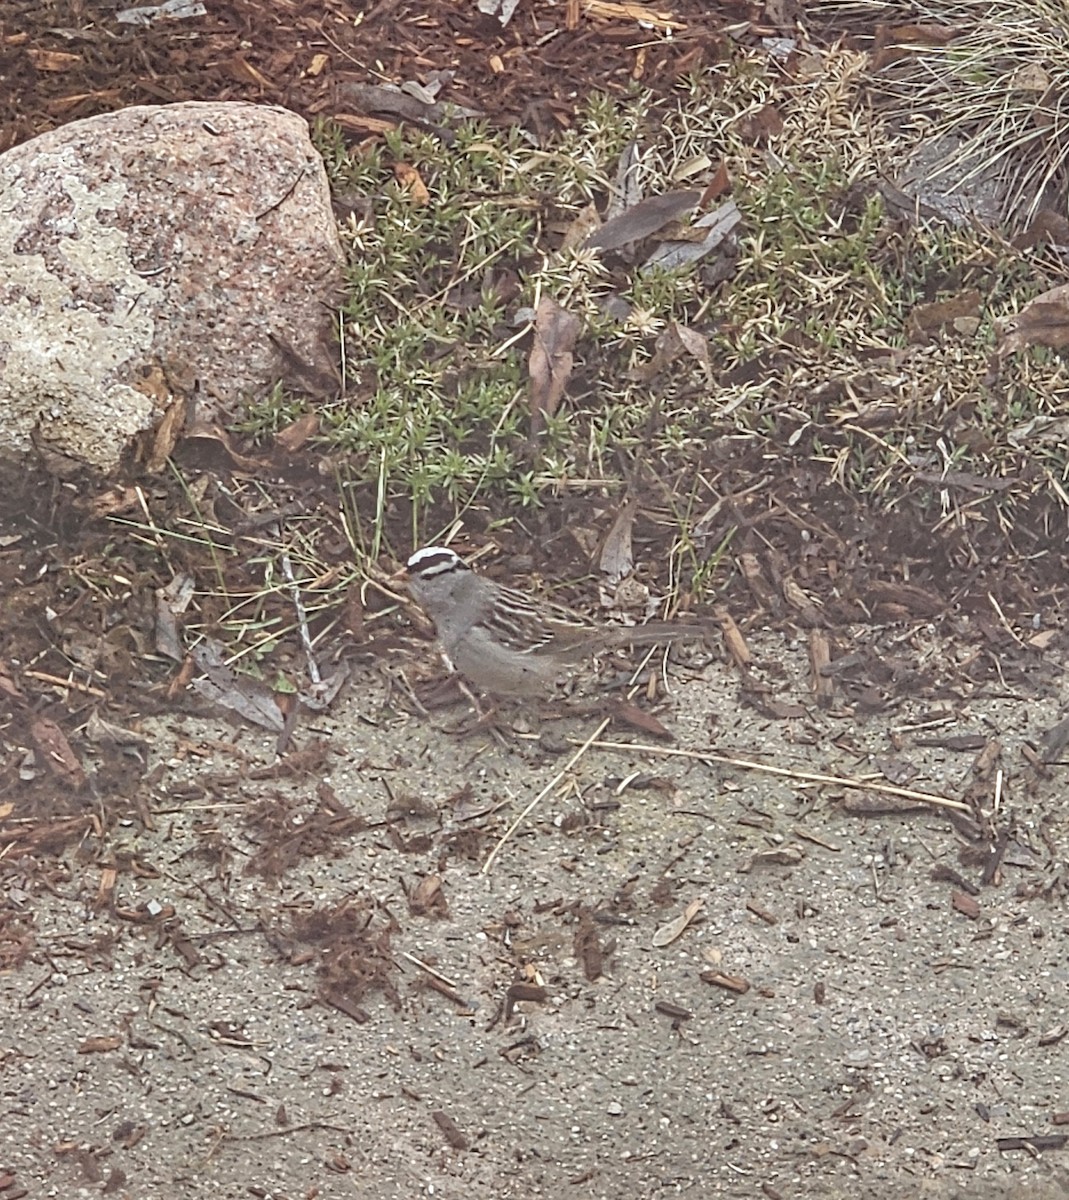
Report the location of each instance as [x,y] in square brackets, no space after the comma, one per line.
[434,560]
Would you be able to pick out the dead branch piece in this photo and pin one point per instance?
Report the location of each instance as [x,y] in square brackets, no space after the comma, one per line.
[843,781]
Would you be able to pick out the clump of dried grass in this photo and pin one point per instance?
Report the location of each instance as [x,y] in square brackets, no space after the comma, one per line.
[986,82]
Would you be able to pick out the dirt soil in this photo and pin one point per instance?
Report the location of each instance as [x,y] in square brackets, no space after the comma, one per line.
[297,981]
[231,975]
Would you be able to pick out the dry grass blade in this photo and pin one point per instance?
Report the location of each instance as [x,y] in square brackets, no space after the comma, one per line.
[844,781]
[591,741]
[991,98]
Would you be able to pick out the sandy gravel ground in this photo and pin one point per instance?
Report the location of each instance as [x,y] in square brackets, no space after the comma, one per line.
[887,1028]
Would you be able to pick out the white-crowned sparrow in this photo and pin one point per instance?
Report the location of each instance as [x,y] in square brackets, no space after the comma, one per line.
[504,642]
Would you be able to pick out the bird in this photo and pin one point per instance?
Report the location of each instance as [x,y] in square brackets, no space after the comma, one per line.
[502,640]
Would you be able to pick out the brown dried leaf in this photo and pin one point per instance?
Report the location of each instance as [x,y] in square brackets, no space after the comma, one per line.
[8,687]
[958,312]
[104,98]
[54,748]
[892,42]
[363,125]
[730,983]
[1043,321]
[451,1131]
[823,685]
[550,363]
[412,182]
[294,436]
[428,899]
[53,60]
[638,718]
[107,733]
[210,435]
[585,224]
[715,226]
[760,126]
[718,186]
[167,433]
[672,342]
[790,856]
[1046,226]
[115,500]
[100,1045]
[244,72]
[801,602]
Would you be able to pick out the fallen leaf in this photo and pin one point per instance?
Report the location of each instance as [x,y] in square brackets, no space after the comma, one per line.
[106,732]
[626,189]
[412,182]
[201,436]
[293,437]
[223,686]
[56,752]
[760,126]
[445,1122]
[667,934]
[53,60]
[1043,321]
[1046,226]
[669,256]
[100,1045]
[617,558]
[550,363]
[244,72]
[893,42]
[8,687]
[734,642]
[718,186]
[584,225]
[115,500]
[790,856]
[730,983]
[362,125]
[167,433]
[428,899]
[103,99]
[927,319]
[1030,77]
[643,219]
[672,343]
[640,719]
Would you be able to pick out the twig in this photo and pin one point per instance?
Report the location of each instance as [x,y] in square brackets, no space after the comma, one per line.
[591,741]
[430,970]
[274,1133]
[71,684]
[1002,618]
[298,607]
[707,756]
